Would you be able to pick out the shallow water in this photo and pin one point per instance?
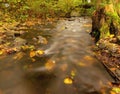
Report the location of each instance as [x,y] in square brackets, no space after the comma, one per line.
[68,66]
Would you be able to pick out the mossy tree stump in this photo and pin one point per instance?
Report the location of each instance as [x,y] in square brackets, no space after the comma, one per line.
[105,22]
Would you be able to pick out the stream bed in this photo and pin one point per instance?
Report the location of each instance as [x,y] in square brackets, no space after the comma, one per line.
[68,65]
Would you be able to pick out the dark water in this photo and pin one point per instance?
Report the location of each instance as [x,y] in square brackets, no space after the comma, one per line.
[68,67]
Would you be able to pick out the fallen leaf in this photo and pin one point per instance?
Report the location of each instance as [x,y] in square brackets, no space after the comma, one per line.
[40,52]
[73,73]
[45,41]
[33,60]
[113,69]
[32,53]
[116,90]
[50,64]
[24,47]
[88,58]
[68,80]
[81,64]
[87,25]
[1,52]
[112,35]
[18,56]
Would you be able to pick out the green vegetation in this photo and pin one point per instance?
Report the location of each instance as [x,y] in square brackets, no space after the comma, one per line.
[22,9]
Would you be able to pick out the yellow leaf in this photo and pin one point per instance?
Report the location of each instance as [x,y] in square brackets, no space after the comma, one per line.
[68,80]
[24,47]
[18,56]
[50,64]
[81,64]
[33,60]
[111,92]
[88,58]
[1,52]
[63,27]
[40,52]
[45,41]
[112,35]
[87,25]
[116,89]
[113,69]
[32,53]
[72,73]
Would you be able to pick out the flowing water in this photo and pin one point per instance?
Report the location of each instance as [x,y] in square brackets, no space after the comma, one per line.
[68,66]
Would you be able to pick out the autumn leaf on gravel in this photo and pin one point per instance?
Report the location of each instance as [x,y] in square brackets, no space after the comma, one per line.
[87,25]
[68,80]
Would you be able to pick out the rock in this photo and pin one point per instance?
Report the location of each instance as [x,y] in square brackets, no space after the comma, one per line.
[75,13]
[9,35]
[41,40]
[19,42]
[17,34]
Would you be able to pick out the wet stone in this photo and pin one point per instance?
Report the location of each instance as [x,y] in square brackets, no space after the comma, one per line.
[19,42]
[118,72]
[1,41]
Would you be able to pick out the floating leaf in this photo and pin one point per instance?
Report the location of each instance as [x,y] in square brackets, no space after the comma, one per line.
[50,64]
[1,52]
[72,73]
[81,64]
[68,80]
[88,58]
[63,67]
[32,53]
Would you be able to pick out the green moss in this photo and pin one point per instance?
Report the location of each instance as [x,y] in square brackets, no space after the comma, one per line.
[113,16]
[104,31]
